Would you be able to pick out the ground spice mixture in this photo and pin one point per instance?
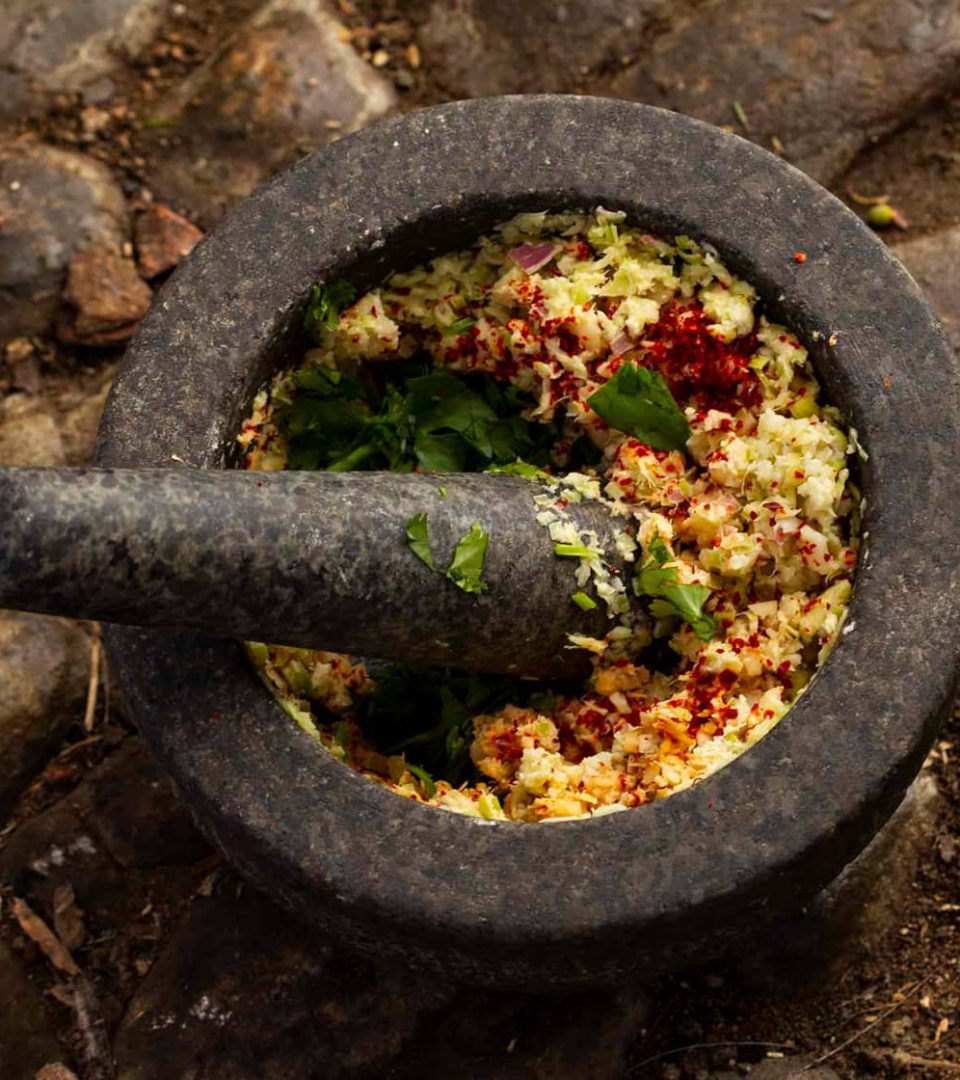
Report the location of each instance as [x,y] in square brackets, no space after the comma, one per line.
[609,364]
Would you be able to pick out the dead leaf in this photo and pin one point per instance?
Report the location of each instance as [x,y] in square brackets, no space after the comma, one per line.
[44,938]
[68,918]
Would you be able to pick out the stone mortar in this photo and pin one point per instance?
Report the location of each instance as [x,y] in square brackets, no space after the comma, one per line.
[638,892]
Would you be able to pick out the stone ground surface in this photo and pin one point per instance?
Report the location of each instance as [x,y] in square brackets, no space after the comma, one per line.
[127,948]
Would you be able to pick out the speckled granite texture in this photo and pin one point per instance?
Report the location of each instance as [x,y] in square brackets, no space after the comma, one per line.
[644,890]
[312,559]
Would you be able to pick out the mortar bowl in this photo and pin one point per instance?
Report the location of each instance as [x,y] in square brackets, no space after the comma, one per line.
[629,894]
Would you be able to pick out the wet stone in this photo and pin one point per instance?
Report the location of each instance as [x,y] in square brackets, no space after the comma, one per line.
[934,261]
[28,1039]
[47,46]
[284,84]
[53,204]
[824,89]
[43,678]
[484,47]
[108,295]
[163,237]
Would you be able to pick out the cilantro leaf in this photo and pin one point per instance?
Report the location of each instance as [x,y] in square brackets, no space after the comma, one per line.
[466,567]
[418,539]
[638,402]
[657,578]
[461,326]
[326,303]
[518,468]
[583,601]
[426,780]
[576,551]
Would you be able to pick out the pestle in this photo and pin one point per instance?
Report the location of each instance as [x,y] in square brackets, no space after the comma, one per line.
[319,560]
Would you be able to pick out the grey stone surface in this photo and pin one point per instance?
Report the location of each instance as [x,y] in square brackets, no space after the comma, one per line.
[49,46]
[53,203]
[285,83]
[241,990]
[857,912]
[55,428]
[696,870]
[934,261]
[27,1031]
[313,559]
[824,88]
[44,665]
[476,48]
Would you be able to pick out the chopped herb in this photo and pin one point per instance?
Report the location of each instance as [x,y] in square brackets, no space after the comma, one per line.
[638,402]
[576,551]
[426,714]
[419,540]
[518,468]
[741,114]
[455,329]
[159,122]
[326,303]
[658,578]
[341,735]
[466,567]
[443,491]
[426,780]
[583,601]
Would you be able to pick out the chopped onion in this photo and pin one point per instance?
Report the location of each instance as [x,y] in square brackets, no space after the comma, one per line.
[531,257]
[621,343]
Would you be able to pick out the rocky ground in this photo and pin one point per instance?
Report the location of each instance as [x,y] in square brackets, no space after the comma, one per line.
[127,128]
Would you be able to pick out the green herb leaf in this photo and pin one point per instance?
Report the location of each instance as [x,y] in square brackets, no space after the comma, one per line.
[638,402]
[576,551]
[461,326]
[466,568]
[657,578]
[443,491]
[583,601]
[418,539]
[425,779]
[326,303]
[518,468]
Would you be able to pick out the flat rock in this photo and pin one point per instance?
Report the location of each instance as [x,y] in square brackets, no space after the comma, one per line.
[57,429]
[48,46]
[934,261]
[27,1032]
[108,296]
[482,47]
[242,990]
[825,87]
[105,839]
[53,204]
[163,237]
[799,1067]
[287,82]
[44,666]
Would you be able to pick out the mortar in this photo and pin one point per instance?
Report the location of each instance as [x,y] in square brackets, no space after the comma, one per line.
[639,892]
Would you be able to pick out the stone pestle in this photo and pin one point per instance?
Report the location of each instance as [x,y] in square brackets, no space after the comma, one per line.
[319,560]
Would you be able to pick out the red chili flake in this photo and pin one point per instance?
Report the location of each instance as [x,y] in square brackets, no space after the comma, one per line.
[784,669]
[699,367]
[799,256]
